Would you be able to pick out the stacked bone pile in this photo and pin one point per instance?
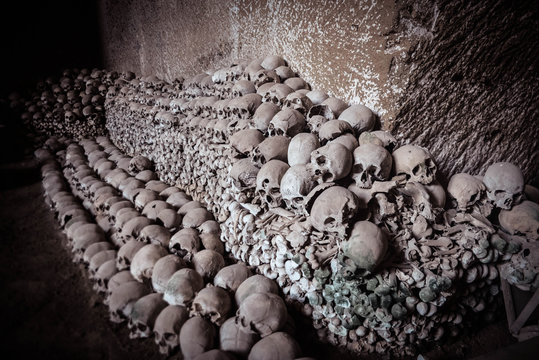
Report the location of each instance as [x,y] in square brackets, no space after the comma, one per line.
[156,257]
[72,105]
[350,223]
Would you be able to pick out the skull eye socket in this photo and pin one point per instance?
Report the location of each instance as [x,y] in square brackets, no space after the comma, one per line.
[416,170]
[473,198]
[358,168]
[321,160]
[141,327]
[329,220]
[169,336]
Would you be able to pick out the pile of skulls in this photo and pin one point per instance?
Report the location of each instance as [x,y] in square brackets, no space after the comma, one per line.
[157,258]
[72,105]
[350,222]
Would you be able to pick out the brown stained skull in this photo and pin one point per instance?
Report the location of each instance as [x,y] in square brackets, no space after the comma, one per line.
[371,163]
[330,163]
[505,184]
[272,148]
[208,263]
[333,209]
[167,328]
[287,122]
[185,242]
[230,277]
[163,269]
[465,190]
[212,303]
[182,287]
[142,317]
[366,246]
[144,261]
[233,339]
[268,182]
[196,337]
[416,163]
[263,313]
[296,184]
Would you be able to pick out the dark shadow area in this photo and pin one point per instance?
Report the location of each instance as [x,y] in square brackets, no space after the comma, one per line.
[41,38]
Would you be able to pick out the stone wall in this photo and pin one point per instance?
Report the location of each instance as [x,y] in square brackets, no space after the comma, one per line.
[452,76]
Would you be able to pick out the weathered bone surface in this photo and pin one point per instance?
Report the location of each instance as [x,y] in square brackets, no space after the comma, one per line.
[422,260]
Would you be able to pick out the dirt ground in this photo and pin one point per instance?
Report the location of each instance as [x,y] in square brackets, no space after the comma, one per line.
[49,310]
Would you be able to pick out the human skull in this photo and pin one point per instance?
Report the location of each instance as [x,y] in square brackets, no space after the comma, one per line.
[255,284]
[212,303]
[169,218]
[416,163]
[521,219]
[505,184]
[167,328]
[263,115]
[103,274]
[143,197]
[263,313]
[330,163]
[366,246]
[272,148]
[298,101]
[184,242]
[243,174]
[371,163]
[264,76]
[208,263]
[144,261]
[99,259]
[277,94]
[244,141]
[196,217]
[280,345]
[245,106]
[155,234]
[163,269]
[182,287]
[272,62]
[300,148]
[139,163]
[123,297]
[465,190]
[243,87]
[332,129]
[297,83]
[230,277]
[347,140]
[360,118]
[268,182]
[287,122]
[127,252]
[233,339]
[296,184]
[153,208]
[94,249]
[196,337]
[333,209]
[132,228]
[142,317]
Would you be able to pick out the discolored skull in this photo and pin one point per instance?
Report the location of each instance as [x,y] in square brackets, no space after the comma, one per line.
[287,122]
[243,174]
[255,284]
[272,148]
[207,263]
[268,182]
[521,219]
[230,277]
[416,163]
[123,297]
[505,184]
[277,94]
[167,328]
[298,101]
[280,345]
[263,313]
[185,242]
[144,261]
[163,269]
[212,303]
[139,163]
[360,118]
[263,115]
[330,163]
[233,339]
[244,141]
[465,190]
[371,163]
[333,209]
[127,252]
[300,148]
[196,337]
[296,184]
[366,246]
[182,287]
[142,317]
